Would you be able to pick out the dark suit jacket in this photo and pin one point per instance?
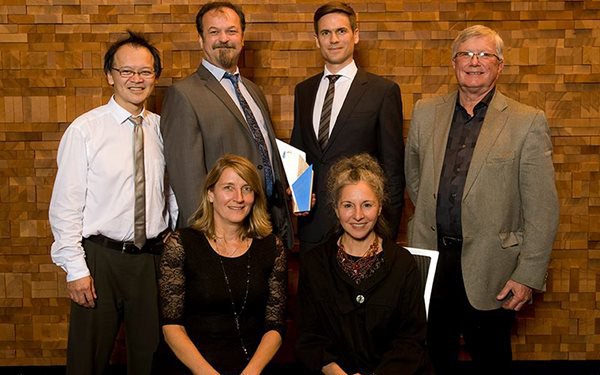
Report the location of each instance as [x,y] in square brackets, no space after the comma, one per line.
[199,123]
[370,121]
[509,204]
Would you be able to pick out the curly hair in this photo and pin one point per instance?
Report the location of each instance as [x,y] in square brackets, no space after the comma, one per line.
[352,170]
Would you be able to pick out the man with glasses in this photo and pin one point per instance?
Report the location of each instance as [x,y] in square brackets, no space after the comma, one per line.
[479,171]
[216,111]
[109,213]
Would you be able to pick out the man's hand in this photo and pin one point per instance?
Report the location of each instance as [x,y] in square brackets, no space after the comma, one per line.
[515,295]
[82,291]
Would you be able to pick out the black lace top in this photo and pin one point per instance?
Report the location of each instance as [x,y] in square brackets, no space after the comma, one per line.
[194,294]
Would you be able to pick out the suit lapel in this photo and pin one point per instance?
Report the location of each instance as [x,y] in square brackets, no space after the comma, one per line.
[215,86]
[357,89]
[442,122]
[494,122]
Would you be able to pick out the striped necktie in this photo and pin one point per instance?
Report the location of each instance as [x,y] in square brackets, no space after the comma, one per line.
[323,136]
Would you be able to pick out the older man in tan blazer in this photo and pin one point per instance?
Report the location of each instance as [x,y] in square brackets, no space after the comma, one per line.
[479,171]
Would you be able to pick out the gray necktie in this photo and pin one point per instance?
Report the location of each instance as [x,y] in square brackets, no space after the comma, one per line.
[323,136]
[139,236]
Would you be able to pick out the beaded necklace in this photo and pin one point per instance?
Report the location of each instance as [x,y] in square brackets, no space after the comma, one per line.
[237,315]
[359,268]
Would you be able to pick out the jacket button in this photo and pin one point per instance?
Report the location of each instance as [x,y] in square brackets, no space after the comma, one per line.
[360,298]
[259,167]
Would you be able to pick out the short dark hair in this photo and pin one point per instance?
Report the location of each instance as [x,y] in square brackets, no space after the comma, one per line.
[136,40]
[216,5]
[335,7]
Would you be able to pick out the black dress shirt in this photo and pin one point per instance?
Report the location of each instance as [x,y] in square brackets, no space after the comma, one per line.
[462,138]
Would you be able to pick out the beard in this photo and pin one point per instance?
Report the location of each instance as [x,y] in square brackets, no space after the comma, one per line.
[227,55]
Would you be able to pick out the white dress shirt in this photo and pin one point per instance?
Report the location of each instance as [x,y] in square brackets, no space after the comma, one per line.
[94,188]
[342,86]
[228,86]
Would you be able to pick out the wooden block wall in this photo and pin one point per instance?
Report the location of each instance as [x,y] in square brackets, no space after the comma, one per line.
[50,65]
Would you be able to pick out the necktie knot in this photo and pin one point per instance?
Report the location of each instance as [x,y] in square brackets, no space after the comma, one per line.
[136,120]
[333,77]
[234,78]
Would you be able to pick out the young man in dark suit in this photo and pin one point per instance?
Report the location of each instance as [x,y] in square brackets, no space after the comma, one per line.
[345,111]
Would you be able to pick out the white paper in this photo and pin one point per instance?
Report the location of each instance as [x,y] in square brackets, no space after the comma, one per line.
[294,164]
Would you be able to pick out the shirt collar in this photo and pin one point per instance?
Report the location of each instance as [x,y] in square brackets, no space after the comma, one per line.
[485,102]
[215,70]
[119,113]
[349,71]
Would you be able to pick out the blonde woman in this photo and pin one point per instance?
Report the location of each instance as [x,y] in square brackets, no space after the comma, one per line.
[223,280]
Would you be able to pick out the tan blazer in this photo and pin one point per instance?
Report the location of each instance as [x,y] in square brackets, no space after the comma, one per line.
[509,205]
[199,123]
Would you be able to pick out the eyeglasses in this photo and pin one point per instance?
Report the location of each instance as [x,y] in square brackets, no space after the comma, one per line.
[468,55]
[128,73]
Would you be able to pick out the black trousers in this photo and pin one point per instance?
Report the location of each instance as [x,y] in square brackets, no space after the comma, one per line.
[126,286]
[486,333]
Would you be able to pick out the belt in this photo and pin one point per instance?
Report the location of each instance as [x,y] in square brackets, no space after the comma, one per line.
[152,245]
[450,241]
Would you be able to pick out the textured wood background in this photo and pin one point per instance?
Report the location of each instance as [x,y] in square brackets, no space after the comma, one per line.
[51,72]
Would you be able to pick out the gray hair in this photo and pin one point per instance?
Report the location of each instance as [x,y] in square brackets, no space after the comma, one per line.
[478,31]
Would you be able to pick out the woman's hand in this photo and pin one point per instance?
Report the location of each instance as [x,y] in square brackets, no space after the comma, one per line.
[180,343]
[333,369]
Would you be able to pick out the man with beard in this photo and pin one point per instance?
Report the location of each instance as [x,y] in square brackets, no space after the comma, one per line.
[216,111]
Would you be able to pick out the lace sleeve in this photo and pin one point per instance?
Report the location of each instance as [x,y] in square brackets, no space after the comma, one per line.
[171,282]
[275,311]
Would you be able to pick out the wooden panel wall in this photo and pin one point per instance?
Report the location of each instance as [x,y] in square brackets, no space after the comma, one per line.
[51,57]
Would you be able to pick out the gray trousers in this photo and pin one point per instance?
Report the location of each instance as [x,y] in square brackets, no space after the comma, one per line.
[126,286]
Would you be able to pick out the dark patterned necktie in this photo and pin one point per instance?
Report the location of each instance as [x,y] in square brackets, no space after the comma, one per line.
[326,112]
[255,131]
[139,231]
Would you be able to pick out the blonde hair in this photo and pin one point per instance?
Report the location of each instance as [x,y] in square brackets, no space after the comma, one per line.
[257,224]
[352,170]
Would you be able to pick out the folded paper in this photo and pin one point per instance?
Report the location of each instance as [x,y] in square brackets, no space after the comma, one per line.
[299,175]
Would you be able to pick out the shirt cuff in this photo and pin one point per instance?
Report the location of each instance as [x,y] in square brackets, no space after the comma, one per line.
[77,270]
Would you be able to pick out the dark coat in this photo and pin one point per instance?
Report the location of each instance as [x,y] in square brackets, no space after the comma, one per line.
[384,334]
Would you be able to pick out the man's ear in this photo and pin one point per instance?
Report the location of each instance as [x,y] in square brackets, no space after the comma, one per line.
[110,79]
